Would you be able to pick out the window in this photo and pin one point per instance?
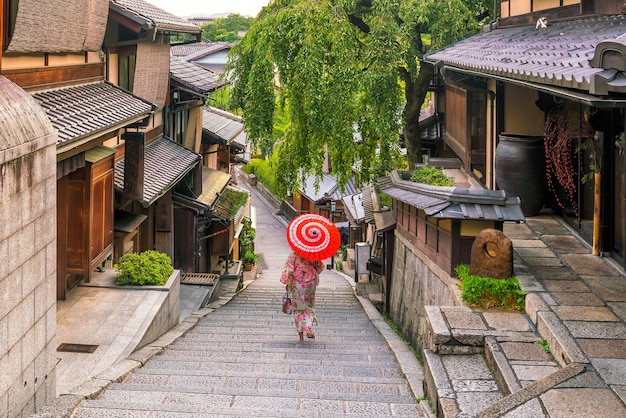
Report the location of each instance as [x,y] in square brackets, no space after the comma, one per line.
[127,70]
[10,15]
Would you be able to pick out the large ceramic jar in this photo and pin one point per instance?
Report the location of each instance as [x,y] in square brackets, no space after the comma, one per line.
[520,170]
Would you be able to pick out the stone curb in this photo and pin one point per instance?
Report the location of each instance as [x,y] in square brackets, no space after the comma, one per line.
[65,404]
[410,367]
[531,391]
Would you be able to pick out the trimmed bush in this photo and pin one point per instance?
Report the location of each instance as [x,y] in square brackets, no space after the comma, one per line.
[148,268]
[431,175]
[486,292]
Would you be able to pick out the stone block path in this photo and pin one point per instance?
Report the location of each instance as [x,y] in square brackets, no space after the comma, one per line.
[244,359]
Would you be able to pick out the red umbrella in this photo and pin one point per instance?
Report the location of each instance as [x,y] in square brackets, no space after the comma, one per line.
[313,236]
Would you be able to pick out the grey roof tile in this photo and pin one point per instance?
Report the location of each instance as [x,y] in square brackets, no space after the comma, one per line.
[453,202]
[195,77]
[165,163]
[557,55]
[328,188]
[87,109]
[195,50]
[223,126]
[159,18]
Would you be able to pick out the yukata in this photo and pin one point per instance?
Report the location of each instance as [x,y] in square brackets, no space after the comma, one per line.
[301,276]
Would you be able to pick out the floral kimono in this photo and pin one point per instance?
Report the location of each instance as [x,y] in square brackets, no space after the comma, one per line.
[301,277]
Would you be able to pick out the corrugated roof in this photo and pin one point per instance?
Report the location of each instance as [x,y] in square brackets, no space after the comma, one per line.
[453,202]
[353,205]
[165,163]
[195,50]
[557,55]
[195,77]
[147,14]
[87,109]
[328,188]
[222,126]
[213,183]
[368,204]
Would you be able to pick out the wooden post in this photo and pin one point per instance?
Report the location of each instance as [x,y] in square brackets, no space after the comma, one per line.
[597,203]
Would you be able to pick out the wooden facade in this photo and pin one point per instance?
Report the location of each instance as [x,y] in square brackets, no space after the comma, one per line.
[447,242]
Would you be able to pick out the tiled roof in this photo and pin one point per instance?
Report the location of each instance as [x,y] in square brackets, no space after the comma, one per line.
[453,202]
[88,109]
[213,183]
[145,12]
[222,126]
[557,55]
[165,163]
[353,205]
[195,77]
[328,188]
[198,49]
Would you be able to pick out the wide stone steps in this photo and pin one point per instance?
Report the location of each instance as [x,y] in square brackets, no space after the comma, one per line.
[493,364]
[244,359]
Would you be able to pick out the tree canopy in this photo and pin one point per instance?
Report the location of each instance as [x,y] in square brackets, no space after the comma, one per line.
[226,29]
[341,70]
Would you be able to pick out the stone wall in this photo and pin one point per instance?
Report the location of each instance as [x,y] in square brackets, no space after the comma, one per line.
[417,282]
[166,310]
[27,276]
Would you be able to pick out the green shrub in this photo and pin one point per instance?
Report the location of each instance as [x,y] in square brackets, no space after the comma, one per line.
[339,265]
[343,250]
[148,268]
[250,257]
[486,292]
[431,175]
[264,171]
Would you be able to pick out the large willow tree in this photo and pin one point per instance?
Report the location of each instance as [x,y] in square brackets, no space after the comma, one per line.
[342,70]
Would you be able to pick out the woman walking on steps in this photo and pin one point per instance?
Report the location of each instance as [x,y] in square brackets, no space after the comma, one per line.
[301,277]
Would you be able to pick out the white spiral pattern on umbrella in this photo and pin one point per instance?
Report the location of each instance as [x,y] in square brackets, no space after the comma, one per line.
[311,234]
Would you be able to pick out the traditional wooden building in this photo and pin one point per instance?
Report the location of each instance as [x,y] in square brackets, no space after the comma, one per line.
[150,166]
[547,71]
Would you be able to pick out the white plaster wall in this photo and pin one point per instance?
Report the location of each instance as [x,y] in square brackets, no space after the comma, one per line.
[27,276]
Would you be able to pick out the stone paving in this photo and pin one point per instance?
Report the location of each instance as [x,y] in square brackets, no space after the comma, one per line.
[490,364]
[243,357]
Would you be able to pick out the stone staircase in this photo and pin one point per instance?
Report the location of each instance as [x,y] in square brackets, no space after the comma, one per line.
[244,359]
[496,363]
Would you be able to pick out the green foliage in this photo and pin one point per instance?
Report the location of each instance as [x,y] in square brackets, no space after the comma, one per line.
[221,100]
[343,250]
[250,257]
[246,237]
[334,67]
[235,200]
[226,29]
[339,265]
[431,175]
[545,345]
[486,292]
[264,170]
[385,200]
[148,268]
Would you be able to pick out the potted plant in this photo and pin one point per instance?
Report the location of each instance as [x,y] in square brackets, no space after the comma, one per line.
[249,259]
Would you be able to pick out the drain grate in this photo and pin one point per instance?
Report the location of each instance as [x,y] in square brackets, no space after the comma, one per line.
[76,348]
[205,279]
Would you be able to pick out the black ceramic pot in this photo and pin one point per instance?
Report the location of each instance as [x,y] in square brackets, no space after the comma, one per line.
[521,170]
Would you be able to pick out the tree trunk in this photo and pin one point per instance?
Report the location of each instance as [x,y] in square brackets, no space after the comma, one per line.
[415,93]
